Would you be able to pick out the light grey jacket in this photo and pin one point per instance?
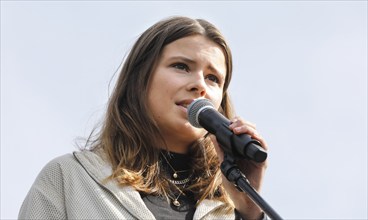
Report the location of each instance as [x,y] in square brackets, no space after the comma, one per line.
[74,186]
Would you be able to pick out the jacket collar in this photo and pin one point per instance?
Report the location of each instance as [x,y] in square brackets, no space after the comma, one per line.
[96,165]
[100,170]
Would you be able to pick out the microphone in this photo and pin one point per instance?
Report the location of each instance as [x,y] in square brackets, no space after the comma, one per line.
[202,114]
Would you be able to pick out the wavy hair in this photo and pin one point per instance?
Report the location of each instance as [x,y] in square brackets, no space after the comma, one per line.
[129,135]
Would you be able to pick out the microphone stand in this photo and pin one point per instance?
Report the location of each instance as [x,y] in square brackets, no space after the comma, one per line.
[234,175]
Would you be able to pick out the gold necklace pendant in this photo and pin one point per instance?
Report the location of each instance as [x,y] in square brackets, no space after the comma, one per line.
[175,174]
[176,203]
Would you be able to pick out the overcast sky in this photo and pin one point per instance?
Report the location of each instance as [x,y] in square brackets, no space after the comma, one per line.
[300,74]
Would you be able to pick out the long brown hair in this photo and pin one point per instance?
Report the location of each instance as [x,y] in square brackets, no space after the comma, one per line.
[129,135]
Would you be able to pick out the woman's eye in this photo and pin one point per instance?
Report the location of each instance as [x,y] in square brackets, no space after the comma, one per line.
[213,78]
[181,66]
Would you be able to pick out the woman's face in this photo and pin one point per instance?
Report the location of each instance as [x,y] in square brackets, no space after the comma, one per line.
[189,68]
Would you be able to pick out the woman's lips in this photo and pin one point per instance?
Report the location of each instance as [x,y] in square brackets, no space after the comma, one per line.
[184,103]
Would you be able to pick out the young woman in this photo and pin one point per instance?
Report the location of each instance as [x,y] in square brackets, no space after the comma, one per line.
[147,161]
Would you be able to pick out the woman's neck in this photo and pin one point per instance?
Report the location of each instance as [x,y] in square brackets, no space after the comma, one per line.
[177,146]
[176,164]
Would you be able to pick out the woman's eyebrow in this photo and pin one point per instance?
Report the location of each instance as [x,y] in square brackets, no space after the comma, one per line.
[182,58]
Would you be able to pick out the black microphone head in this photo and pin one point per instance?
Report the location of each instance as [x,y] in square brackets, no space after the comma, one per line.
[196,107]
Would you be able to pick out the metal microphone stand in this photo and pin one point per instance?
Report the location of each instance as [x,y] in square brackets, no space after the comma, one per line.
[234,175]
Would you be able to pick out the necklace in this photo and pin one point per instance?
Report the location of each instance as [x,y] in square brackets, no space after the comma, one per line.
[180,182]
[175,201]
[175,174]
[183,182]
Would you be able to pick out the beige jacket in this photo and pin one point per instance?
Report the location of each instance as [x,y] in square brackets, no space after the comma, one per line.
[73,187]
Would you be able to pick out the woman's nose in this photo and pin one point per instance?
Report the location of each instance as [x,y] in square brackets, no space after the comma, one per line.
[198,84]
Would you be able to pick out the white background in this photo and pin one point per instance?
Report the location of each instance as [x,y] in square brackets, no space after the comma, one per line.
[300,74]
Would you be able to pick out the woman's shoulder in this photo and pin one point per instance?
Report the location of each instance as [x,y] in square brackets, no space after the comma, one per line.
[76,158]
[70,162]
[62,162]
[57,167]
[73,167]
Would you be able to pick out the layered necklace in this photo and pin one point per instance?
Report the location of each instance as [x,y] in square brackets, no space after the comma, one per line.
[176,173]
[175,200]
[179,183]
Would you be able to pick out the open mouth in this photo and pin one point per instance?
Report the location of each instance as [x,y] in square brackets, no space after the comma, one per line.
[184,103]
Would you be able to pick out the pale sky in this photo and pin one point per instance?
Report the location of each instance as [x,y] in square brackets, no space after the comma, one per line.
[300,74]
